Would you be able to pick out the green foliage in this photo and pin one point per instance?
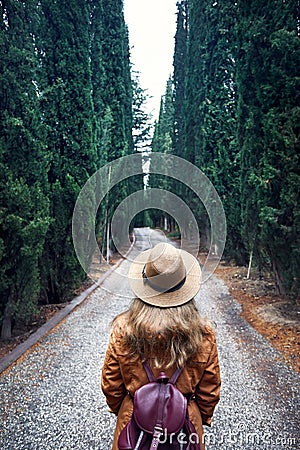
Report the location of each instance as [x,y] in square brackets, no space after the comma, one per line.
[179,76]
[174,234]
[163,133]
[66,110]
[210,110]
[23,226]
[24,206]
[236,116]
[113,83]
[268,87]
[141,119]
[67,103]
[163,142]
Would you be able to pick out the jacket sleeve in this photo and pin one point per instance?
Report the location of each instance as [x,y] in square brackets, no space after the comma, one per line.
[112,383]
[208,390]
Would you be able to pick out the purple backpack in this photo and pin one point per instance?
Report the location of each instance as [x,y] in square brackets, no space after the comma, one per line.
[160,417]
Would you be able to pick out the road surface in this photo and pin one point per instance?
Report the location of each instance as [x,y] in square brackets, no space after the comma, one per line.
[51,399]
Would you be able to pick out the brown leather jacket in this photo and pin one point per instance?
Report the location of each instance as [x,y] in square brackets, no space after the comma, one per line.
[122,375]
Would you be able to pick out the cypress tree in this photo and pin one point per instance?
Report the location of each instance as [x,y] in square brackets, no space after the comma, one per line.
[24,217]
[179,63]
[141,133]
[163,133]
[268,86]
[114,97]
[280,200]
[241,114]
[102,112]
[141,119]
[163,142]
[117,92]
[194,79]
[211,109]
[64,44]
[66,109]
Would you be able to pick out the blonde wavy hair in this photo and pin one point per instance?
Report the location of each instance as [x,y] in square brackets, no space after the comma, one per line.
[169,336]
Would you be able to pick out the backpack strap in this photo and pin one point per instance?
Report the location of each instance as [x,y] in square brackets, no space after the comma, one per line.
[148,370]
[152,378]
[176,375]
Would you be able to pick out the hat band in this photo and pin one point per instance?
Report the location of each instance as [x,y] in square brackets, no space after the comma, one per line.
[158,288]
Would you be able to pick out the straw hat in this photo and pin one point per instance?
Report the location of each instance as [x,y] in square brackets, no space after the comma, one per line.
[165,276]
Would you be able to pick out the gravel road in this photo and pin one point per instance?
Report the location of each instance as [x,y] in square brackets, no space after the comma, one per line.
[51,399]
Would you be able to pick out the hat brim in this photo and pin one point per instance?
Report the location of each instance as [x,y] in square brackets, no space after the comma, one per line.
[165,299]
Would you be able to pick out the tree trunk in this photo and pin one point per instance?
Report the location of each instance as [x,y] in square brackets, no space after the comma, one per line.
[278,278]
[166,224]
[250,264]
[205,236]
[107,243]
[7,321]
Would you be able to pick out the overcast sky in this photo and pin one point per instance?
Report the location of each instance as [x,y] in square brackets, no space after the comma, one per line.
[152,27]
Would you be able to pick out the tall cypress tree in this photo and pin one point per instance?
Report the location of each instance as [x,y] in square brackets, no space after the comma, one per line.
[24,217]
[141,119]
[112,95]
[103,116]
[64,45]
[268,114]
[211,108]
[163,142]
[241,127]
[117,93]
[66,109]
[163,133]
[179,63]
